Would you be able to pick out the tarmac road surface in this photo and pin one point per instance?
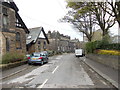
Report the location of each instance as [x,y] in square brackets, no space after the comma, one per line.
[62,71]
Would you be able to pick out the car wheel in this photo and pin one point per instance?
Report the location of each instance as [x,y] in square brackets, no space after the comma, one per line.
[42,62]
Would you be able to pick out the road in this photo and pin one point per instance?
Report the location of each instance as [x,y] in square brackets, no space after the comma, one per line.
[62,71]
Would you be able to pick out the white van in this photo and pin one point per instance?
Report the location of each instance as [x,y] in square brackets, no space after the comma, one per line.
[79,52]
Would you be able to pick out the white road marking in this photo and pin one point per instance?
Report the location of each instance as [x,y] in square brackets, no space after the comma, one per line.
[41,86]
[103,82]
[55,70]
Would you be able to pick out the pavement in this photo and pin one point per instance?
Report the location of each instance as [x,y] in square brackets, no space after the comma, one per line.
[106,72]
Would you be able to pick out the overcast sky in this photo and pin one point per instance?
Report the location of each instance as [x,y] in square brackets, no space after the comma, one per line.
[46,13]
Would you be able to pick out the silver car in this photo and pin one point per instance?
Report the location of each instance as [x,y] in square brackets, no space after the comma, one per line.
[38,58]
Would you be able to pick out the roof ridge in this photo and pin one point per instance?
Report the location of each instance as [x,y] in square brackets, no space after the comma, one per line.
[35,27]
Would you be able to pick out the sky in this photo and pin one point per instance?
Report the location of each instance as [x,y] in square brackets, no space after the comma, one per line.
[46,13]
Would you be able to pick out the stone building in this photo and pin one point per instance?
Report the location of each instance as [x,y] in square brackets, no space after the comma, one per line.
[12,29]
[36,40]
[61,43]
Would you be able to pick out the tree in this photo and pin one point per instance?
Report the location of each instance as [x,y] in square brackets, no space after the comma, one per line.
[84,15]
[82,21]
[113,9]
[104,20]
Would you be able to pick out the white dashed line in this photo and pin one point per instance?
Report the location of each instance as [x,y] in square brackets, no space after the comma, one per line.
[55,70]
[41,86]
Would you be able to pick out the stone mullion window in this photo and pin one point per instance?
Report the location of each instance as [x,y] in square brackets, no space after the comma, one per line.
[44,45]
[18,41]
[7,44]
[5,18]
[39,45]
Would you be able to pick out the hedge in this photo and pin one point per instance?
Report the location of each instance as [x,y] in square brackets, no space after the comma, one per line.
[92,46]
[13,57]
[114,46]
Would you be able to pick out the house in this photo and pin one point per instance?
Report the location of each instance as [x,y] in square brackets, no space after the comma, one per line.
[58,42]
[77,43]
[12,29]
[61,43]
[36,40]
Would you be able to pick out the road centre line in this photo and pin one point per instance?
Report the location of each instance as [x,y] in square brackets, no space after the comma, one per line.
[55,70]
[41,86]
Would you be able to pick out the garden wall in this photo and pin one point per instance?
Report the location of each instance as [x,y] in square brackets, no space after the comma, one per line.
[109,60]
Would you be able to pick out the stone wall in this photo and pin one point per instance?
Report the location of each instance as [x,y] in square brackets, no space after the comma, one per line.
[108,60]
[11,38]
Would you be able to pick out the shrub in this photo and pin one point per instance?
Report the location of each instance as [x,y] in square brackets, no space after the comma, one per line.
[114,46]
[92,46]
[109,52]
[12,57]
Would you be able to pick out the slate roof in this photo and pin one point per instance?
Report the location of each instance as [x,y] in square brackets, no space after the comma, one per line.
[34,35]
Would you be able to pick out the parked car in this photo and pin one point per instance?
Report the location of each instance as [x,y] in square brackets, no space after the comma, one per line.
[38,58]
[79,53]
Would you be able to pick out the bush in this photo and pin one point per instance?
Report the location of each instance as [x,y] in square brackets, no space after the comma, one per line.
[12,57]
[114,46]
[92,46]
[109,52]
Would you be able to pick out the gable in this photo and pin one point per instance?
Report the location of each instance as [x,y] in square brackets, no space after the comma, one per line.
[20,23]
[36,33]
[41,35]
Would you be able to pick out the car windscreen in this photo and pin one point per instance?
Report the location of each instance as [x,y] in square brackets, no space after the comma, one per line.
[35,55]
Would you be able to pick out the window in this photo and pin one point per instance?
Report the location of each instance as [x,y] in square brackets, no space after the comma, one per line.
[7,44]
[5,21]
[44,45]
[4,11]
[17,36]
[18,41]
[5,18]
[38,42]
